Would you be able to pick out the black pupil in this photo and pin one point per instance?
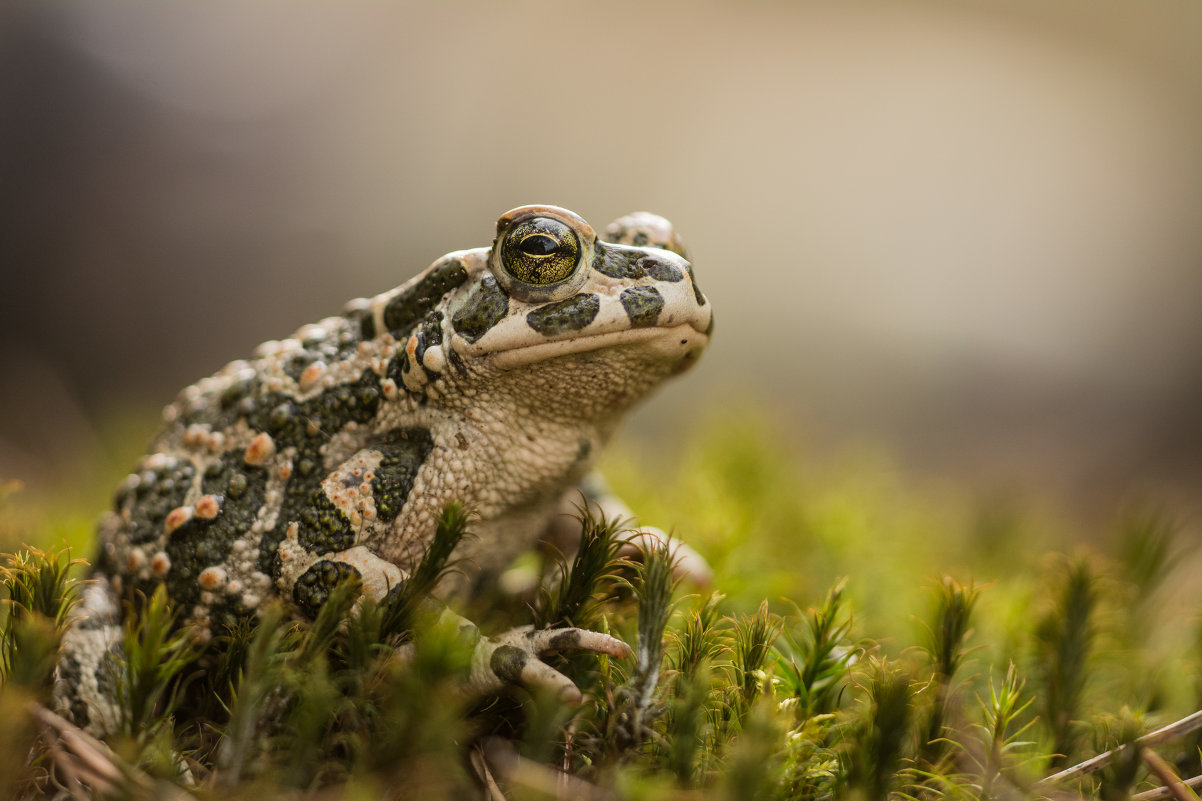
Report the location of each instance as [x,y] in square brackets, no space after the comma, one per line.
[538,245]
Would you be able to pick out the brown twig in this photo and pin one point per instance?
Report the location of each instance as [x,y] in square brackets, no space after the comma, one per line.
[1094,764]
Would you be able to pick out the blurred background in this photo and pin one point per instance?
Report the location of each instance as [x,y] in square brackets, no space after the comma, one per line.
[968,234]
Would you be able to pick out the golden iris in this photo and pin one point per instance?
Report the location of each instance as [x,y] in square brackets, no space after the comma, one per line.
[540,251]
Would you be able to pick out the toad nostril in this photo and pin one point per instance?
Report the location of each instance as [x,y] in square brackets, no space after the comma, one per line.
[661,270]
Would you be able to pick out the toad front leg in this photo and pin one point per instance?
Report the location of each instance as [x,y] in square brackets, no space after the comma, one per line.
[512,657]
[515,657]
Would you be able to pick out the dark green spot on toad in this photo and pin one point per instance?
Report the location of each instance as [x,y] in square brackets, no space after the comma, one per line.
[323,527]
[418,300]
[572,314]
[617,261]
[570,638]
[507,662]
[429,335]
[662,271]
[298,425]
[404,451]
[485,307]
[201,543]
[313,588]
[643,305]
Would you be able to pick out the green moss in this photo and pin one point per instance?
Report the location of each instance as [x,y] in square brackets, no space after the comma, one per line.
[842,705]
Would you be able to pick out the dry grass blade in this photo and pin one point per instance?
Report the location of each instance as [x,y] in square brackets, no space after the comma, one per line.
[80,756]
[1172,781]
[90,769]
[536,777]
[492,791]
[1162,735]
[1161,793]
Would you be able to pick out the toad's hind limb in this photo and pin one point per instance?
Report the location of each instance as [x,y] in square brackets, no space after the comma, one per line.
[87,669]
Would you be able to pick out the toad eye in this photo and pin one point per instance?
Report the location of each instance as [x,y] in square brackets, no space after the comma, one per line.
[540,251]
[538,245]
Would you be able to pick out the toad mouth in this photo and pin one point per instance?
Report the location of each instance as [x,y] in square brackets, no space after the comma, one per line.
[668,341]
